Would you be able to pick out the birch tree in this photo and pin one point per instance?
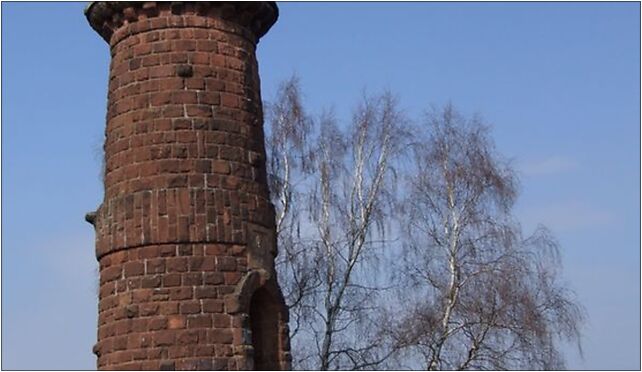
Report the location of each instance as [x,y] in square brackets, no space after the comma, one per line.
[332,187]
[475,292]
[483,295]
[289,144]
[351,202]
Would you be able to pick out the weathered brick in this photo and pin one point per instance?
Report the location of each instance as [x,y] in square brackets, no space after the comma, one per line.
[187,337]
[168,308]
[226,263]
[155,266]
[134,268]
[221,336]
[151,281]
[111,273]
[222,320]
[199,321]
[213,278]
[193,279]
[205,292]
[213,306]
[177,352]
[157,324]
[221,167]
[172,280]
[164,338]
[147,309]
[181,293]
[178,264]
[190,307]
[176,322]
[229,100]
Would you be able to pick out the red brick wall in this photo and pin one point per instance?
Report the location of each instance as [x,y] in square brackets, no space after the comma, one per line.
[185,234]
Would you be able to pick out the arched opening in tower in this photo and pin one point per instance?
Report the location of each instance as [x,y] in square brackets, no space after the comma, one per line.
[264,324]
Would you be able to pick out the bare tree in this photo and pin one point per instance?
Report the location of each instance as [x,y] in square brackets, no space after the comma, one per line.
[351,201]
[477,294]
[483,296]
[288,147]
[333,188]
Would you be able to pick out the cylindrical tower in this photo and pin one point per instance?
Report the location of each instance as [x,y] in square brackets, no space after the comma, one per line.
[185,235]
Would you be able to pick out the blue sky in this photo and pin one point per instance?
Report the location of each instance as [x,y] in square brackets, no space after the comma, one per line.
[560,82]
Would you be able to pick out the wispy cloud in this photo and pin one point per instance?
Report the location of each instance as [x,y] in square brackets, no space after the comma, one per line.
[550,165]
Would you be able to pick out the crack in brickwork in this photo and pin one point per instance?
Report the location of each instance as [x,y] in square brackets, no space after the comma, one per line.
[185,234]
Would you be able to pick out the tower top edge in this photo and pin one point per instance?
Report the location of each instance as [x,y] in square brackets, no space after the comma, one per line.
[106,16]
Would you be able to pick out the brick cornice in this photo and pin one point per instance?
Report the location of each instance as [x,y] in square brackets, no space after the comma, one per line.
[105,17]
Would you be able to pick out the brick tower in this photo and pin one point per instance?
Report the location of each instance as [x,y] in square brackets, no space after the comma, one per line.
[185,234]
